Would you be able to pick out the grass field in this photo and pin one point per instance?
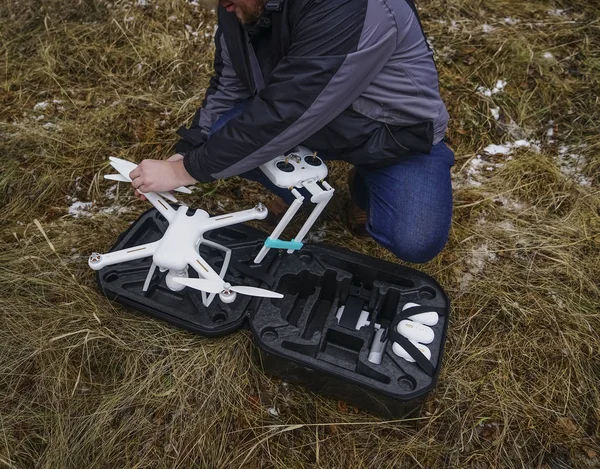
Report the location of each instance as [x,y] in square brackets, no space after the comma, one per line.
[85,383]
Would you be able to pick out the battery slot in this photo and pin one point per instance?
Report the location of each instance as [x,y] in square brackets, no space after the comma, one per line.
[367,273]
[341,349]
[389,306]
[317,316]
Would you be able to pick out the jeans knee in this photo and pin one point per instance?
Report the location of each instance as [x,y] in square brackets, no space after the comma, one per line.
[417,248]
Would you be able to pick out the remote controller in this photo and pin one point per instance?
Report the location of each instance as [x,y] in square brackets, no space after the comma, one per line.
[289,171]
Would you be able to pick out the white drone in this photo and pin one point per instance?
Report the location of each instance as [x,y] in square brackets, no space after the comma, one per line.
[177,250]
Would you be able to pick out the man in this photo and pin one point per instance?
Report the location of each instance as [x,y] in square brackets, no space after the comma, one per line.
[353,80]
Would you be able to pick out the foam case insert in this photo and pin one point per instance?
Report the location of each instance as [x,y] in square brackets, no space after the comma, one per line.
[298,337]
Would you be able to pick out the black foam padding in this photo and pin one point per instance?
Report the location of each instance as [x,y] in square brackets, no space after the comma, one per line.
[352,310]
[124,282]
[333,359]
[298,337]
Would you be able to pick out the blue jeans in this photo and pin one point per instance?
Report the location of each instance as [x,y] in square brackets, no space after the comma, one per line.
[408,204]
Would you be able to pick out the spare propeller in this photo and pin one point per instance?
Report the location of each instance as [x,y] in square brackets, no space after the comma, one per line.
[213,286]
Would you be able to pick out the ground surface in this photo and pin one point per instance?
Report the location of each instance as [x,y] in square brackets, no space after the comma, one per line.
[86,383]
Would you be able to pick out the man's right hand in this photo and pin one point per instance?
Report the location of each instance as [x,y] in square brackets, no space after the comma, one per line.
[175,157]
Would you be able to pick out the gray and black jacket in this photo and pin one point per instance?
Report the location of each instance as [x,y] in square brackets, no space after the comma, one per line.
[352,79]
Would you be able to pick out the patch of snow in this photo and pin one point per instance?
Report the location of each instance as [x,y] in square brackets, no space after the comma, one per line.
[141,3]
[478,258]
[508,147]
[473,170]
[510,204]
[172,18]
[510,21]
[548,56]
[497,149]
[495,112]
[500,84]
[430,43]
[571,165]
[556,12]
[80,209]
[318,235]
[506,225]
[110,192]
[559,302]
[273,411]
[41,106]
[116,210]
[486,28]
[50,126]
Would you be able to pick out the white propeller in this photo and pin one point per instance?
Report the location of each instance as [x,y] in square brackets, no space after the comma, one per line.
[212,286]
[125,167]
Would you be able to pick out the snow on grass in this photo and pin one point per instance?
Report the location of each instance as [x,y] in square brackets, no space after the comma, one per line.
[80,209]
[495,112]
[317,235]
[509,204]
[500,85]
[548,56]
[571,165]
[486,28]
[477,260]
[507,148]
[41,106]
[557,12]
[50,126]
[110,192]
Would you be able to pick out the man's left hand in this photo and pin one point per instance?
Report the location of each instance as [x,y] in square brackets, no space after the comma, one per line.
[160,176]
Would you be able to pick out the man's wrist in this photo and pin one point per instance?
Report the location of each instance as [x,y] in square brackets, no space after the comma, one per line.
[182,174]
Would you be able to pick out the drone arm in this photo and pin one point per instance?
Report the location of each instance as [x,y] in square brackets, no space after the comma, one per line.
[257,213]
[202,268]
[160,204]
[99,261]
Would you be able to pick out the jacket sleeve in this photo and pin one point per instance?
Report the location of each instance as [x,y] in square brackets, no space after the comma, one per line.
[225,91]
[336,49]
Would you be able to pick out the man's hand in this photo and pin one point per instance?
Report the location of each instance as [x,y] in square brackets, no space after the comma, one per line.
[160,176]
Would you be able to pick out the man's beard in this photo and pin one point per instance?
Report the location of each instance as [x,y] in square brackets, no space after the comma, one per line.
[250,12]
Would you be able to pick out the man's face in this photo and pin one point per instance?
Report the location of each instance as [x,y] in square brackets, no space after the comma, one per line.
[247,11]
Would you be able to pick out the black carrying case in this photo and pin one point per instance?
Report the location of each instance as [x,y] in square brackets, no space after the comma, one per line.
[298,337]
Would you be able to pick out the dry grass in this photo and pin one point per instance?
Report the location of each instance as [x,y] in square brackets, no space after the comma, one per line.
[84,383]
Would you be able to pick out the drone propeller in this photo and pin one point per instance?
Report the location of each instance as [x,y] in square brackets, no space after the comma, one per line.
[212,286]
[125,167]
[121,178]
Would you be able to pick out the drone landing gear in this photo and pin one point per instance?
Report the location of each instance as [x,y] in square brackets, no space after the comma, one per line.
[322,193]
